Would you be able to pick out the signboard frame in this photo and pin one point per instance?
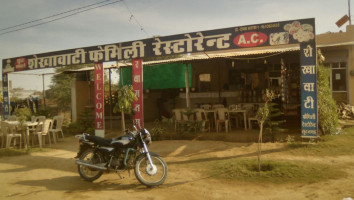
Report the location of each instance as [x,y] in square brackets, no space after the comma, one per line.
[99,99]
[138,105]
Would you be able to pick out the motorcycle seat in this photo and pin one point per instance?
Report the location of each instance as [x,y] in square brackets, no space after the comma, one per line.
[99,140]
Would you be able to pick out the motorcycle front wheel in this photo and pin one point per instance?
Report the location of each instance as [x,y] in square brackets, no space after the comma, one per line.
[150,175]
[88,173]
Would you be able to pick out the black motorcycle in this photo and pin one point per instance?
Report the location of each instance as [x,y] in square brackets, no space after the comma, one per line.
[130,151]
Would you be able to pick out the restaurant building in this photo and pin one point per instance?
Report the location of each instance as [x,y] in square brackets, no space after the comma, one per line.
[226,66]
[241,77]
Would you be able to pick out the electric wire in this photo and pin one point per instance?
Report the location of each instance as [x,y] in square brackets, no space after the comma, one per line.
[51,16]
[135,19]
[56,19]
[69,11]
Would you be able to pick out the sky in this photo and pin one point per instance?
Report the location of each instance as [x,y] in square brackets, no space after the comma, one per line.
[140,19]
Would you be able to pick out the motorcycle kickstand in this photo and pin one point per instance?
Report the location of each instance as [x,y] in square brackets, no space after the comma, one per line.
[121,177]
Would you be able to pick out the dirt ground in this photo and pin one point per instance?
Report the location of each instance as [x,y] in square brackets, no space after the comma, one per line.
[53,175]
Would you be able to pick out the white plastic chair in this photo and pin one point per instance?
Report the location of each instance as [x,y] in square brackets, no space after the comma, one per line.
[57,127]
[39,120]
[251,112]
[252,117]
[201,117]
[3,136]
[222,118]
[43,131]
[178,118]
[10,131]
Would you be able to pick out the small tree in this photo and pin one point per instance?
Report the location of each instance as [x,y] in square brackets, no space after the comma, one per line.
[23,114]
[274,121]
[126,96]
[262,116]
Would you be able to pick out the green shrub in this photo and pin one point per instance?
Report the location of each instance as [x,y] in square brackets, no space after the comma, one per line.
[327,108]
[86,119]
[44,112]
[23,114]
[158,131]
[74,128]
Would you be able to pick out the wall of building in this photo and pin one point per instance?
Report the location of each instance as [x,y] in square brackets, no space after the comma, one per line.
[151,107]
[337,54]
[82,95]
[339,47]
[351,74]
[333,38]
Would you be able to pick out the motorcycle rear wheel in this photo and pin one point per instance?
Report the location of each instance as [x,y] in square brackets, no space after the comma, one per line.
[150,176]
[88,173]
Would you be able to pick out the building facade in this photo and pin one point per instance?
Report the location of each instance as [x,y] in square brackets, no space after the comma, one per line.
[338,50]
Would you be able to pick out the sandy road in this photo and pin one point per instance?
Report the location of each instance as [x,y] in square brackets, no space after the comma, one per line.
[53,175]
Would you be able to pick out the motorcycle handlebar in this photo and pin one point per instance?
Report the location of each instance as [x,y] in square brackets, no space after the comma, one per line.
[136,126]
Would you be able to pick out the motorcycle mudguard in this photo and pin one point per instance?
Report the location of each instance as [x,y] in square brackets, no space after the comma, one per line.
[83,148]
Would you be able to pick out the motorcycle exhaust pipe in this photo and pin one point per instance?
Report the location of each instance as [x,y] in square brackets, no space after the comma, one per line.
[80,162]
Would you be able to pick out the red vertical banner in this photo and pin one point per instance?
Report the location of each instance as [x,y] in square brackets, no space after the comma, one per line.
[99,99]
[138,89]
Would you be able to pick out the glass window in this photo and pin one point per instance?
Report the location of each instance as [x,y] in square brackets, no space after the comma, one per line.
[335,65]
[204,82]
[339,80]
[204,77]
[343,65]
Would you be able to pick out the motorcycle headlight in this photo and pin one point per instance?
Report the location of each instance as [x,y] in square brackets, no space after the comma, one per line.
[147,136]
